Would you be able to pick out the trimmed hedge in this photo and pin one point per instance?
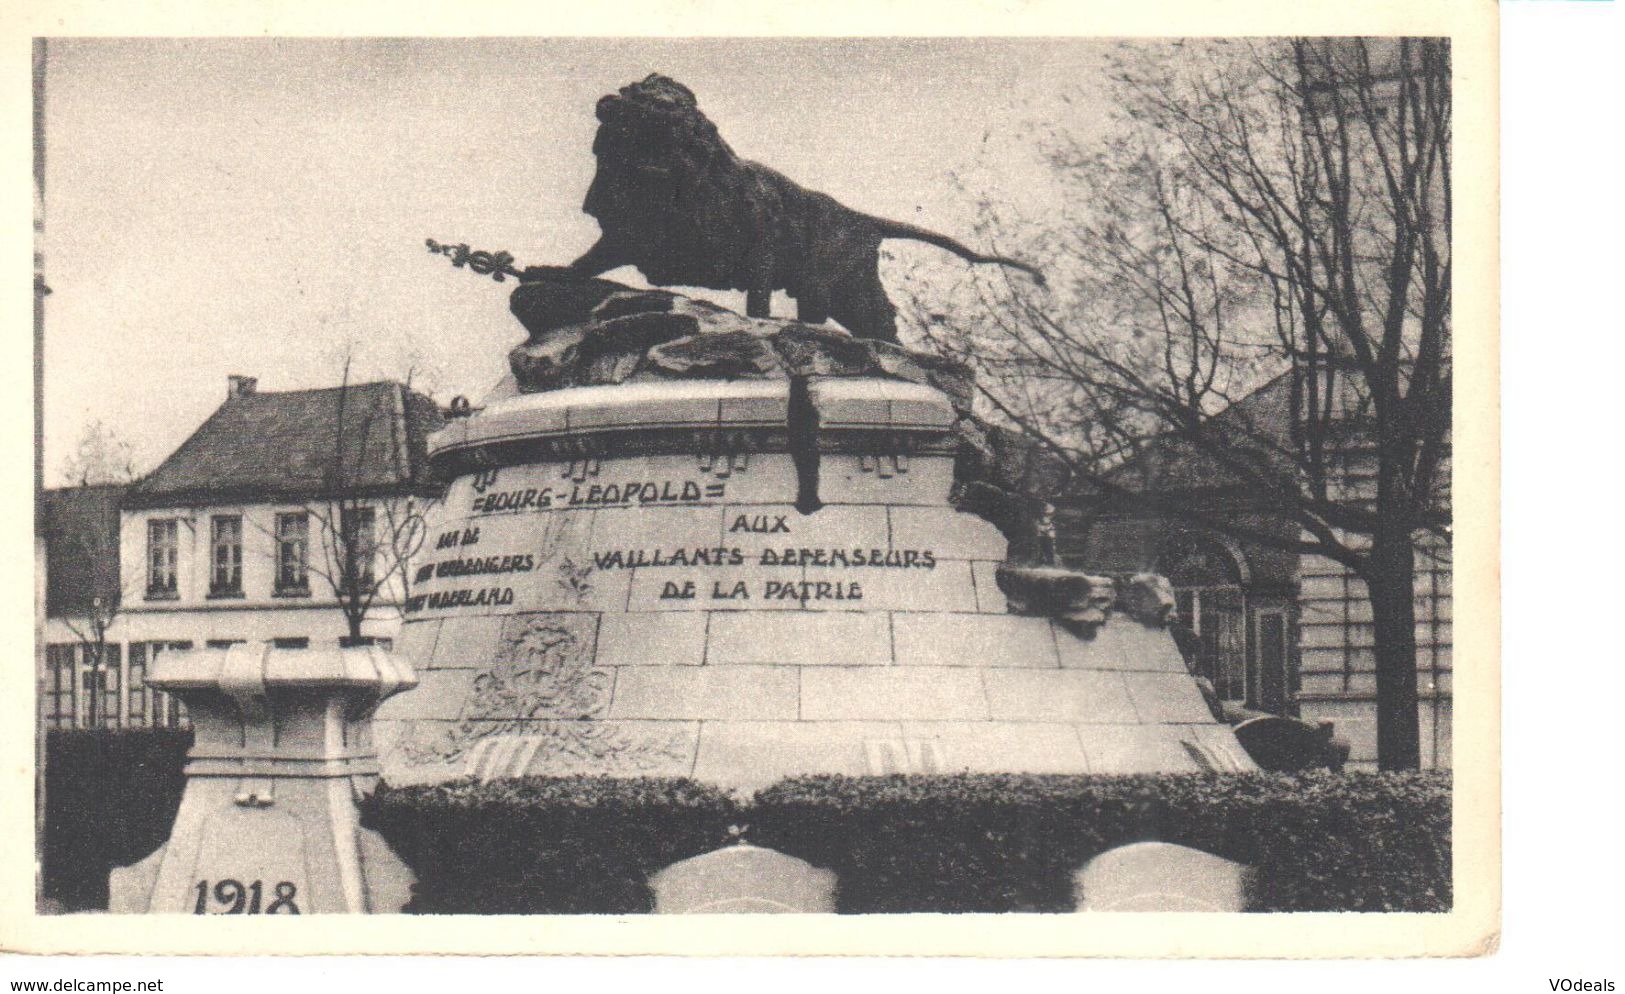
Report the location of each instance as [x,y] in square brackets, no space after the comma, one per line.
[110,800]
[991,843]
[1319,842]
[546,845]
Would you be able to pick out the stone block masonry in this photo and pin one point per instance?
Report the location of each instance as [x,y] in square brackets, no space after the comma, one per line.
[620,582]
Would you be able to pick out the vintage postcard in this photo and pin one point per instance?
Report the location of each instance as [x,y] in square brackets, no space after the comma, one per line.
[983,485]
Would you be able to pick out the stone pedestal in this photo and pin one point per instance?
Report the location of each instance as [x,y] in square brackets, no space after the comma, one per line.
[268,823]
[750,578]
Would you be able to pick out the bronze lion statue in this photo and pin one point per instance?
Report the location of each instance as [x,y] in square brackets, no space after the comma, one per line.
[675,201]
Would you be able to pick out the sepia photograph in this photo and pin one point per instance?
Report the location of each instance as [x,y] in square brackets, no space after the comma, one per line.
[854,477]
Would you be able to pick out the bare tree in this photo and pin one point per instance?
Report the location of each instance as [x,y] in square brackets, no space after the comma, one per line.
[1269,221]
[101,457]
[364,530]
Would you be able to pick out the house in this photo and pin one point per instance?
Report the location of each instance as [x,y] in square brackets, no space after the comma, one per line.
[82,679]
[286,518]
[1278,630]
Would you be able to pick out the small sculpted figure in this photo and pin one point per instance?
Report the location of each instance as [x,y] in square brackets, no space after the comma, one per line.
[675,201]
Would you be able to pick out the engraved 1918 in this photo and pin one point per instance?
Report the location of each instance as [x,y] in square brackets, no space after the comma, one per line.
[231,897]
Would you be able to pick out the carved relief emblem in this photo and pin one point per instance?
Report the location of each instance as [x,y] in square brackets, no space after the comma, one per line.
[542,670]
[531,710]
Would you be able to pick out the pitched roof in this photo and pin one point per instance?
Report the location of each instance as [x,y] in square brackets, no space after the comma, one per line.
[1256,428]
[80,526]
[356,439]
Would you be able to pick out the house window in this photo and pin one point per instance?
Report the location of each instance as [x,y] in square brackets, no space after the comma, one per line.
[293,642]
[61,697]
[101,685]
[292,553]
[162,553]
[358,546]
[1207,590]
[167,710]
[138,684]
[222,643]
[226,556]
[1216,615]
[1271,691]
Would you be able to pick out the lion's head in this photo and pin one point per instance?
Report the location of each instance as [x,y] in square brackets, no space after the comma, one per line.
[667,183]
[651,123]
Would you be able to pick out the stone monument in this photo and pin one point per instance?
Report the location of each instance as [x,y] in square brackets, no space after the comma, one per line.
[680,541]
[268,822]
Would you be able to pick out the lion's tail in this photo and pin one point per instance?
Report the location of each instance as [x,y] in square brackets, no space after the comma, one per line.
[901,229]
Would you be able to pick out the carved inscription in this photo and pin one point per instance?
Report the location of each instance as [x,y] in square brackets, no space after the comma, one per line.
[769,590]
[630,493]
[457,537]
[761,524]
[733,556]
[463,597]
[460,553]
[232,897]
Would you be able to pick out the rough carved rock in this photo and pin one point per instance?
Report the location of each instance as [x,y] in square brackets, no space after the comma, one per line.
[674,200]
[1007,459]
[1027,523]
[586,332]
[1053,592]
[718,355]
[1147,598]
[550,297]
[1084,599]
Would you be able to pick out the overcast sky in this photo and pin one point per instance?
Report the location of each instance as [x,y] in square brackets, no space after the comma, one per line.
[251,206]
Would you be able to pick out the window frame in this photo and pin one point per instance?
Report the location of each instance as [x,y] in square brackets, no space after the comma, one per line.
[157,589]
[62,685]
[167,710]
[137,694]
[285,585]
[1218,615]
[225,577]
[364,521]
[1270,681]
[106,689]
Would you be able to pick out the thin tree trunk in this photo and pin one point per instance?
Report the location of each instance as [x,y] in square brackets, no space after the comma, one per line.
[1389,580]
[355,612]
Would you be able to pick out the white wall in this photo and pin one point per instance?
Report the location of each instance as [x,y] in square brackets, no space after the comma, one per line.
[193,616]
[260,613]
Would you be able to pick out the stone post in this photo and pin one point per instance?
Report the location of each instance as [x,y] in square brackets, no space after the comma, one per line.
[1160,876]
[268,822]
[743,879]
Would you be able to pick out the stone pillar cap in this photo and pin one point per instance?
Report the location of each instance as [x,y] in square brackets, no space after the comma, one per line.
[252,668]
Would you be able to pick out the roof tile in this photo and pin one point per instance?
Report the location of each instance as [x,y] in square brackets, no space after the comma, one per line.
[300,442]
